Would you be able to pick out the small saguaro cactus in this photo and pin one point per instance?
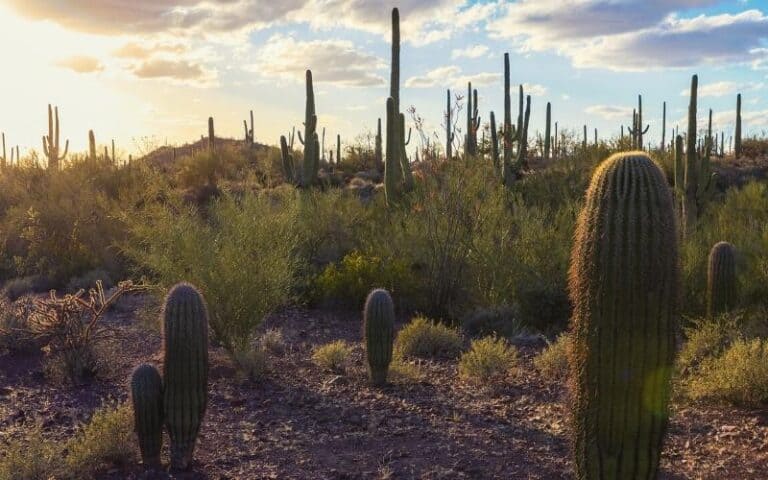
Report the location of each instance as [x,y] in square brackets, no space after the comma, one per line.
[637,130]
[721,279]
[449,135]
[624,284]
[379,154]
[289,171]
[311,163]
[338,149]
[249,139]
[547,133]
[494,144]
[211,136]
[51,142]
[147,399]
[379,330]
[473,122]
[737,151]
[91,146]
[185,370]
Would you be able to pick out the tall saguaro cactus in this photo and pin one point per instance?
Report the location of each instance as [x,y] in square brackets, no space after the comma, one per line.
[379,331]
[310,139]
[91,146]
[473,121]
[392,169]
[449,135]
[211,136]
[249,138]
[147,400]
[721,279]
[494,143]
[338,149]
[185,397]
[624,284]
[547,133]
[737,144]
[379,154]
[663,126]
[51,142]
[3,158]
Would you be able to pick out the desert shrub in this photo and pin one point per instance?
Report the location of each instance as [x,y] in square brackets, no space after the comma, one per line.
[106,441]
[423,338]
[754,147]
[71,328]
[18,287]
[252,362]
[273,342]
[707,338]
[404,371]
[488,360]
[552,362]
[503,321]
[333,356]
[204,168]
[33,457]
[242,257]
[738,376]
[350,281]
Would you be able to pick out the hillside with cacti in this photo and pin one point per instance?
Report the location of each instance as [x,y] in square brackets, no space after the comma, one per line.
[491,298]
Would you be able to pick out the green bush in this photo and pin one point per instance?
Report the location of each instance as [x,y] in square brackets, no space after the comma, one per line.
[333,356]
[206,169]
[503,321]
[106,441]
[706,338]
[738,376]
[33,457]
[242,257]
[350,281]
[552,362]
[488,360]
[423,338]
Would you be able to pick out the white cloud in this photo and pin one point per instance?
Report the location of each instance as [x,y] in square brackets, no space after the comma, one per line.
[81,64]
[451,76]
[721,89]
[609,112]
[474,51]
[338,62]
[181,71]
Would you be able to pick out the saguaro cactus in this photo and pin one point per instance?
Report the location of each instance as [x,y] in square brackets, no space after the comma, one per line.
[91,146]
[547,133]
[624,285]
[494,143]
[311,152]
[338,149]
[379,330]
[289,171]
[211,136]
[473,121]
[51,144]
[3,158]
[185,341]
[147,399]
[249,138]
[721,279]
[663,126]
[449,135]
[392,168]
[379,154]
[737,143]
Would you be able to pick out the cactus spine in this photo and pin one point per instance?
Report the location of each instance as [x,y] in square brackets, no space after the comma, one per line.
[737,152]
[185,341]
[379,326]
[51,142]
[624,286]
[310,139]
[547,133]
[147,399]
[721,279]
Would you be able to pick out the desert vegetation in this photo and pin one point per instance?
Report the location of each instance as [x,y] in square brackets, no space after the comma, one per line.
[498,306]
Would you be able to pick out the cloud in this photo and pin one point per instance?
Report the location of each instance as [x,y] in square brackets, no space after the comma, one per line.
[474,51]
[81,64]
[182,71]
[609,112]
[721,89]
[136,50]
[534,89]
[634,34]
[451,76]
[338,62]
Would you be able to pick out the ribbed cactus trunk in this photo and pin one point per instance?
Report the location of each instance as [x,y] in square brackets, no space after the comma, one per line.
[468,137]
[737,144]
[584,141]
[448,128]
[3,158]
[211,136]
[287,159]
[507,173]
[494,144]
[721,279]
[392,169]
[664,126]
[690,210]
[147,400]
[624,284]
[311,161]
[378,152]
[379,332]
[547,133]
[639,122]
[185,340]
[338,149]
[91,146]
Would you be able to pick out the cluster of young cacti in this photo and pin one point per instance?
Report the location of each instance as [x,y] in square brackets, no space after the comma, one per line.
[51,142]
[310,140]
[473,122]
[624,286]
[397,168]
[694,180]
[637,131]
[379,333]
[178,400]
[721,279]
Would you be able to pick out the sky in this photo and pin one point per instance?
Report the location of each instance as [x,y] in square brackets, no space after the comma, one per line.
[150,72]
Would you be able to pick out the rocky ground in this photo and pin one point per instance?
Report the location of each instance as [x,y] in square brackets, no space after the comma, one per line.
[301,422]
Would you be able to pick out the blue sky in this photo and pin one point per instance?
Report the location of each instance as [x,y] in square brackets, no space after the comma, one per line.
[150,71]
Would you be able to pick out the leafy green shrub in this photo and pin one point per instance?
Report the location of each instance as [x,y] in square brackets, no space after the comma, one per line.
[552,362]
[242,257]
[423,338]
[706,338]
[106,441]
[206,169]
[738,376]
[488,360]
[333,356]
[357,274]
[503,321]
